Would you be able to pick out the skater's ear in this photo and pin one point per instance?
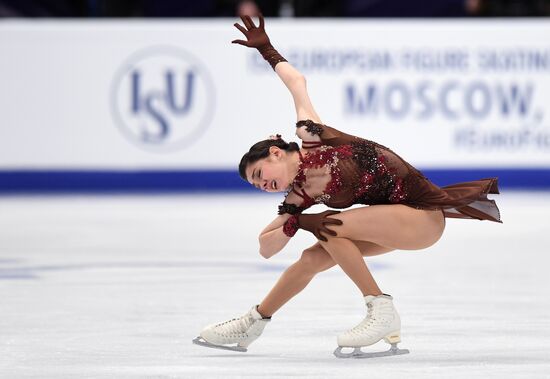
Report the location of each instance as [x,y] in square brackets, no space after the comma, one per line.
[275,151]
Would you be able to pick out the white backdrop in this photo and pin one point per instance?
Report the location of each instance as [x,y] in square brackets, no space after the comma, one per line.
[179,95]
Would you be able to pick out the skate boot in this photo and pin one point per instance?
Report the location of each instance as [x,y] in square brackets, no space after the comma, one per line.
[381,322]
[240,331]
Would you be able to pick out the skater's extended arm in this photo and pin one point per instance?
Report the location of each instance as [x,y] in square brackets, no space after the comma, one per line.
[296,84]
[256,37]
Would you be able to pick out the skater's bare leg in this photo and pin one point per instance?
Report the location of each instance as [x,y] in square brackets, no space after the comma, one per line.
[395,226]
[313,260]
[370,228]
[347,255]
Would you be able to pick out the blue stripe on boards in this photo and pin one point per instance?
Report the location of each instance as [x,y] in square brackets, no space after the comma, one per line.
[58,181]
[510,178]
[68,181]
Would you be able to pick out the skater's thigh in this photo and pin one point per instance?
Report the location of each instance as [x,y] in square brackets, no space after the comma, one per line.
[394,226]
[318,257]
[369,249]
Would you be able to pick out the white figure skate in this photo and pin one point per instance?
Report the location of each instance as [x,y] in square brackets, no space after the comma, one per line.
[381,322]
[240,331]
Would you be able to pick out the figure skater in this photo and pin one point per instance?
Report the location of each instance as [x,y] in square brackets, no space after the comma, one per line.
[404,211]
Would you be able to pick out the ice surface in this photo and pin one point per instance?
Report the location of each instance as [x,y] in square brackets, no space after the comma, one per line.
[118,286]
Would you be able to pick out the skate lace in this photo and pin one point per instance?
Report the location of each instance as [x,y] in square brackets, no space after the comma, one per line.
[368,321]
[236,326]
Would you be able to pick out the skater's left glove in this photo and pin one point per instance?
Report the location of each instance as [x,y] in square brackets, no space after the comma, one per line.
[316,223]
[256,37]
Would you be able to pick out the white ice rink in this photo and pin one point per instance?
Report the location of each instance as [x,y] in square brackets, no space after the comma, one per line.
[118,286]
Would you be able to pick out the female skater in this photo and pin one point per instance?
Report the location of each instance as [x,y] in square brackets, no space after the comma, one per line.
[404,211]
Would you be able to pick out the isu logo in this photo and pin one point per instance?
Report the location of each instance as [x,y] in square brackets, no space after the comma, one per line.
[162,98]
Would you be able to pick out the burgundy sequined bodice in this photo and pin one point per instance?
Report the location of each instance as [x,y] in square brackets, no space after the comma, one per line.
[361,172]
[364,172]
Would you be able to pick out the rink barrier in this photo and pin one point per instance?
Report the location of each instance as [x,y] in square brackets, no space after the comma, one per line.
[155,181]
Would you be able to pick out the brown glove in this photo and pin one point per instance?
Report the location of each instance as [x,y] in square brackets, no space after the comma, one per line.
[317,223]
[257,38]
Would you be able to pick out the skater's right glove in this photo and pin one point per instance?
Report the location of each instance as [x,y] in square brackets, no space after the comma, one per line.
[256,37]
[314,223]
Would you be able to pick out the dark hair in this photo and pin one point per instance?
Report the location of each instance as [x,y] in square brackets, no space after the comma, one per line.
[261,150]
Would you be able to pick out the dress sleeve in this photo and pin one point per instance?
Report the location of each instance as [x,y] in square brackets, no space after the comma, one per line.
[329,136]
[295,203]
[291,209]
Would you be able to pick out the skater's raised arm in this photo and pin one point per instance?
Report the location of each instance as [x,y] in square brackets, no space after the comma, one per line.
[296,84]
[292,78]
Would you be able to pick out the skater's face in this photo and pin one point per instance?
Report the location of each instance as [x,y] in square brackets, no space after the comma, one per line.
[270,174]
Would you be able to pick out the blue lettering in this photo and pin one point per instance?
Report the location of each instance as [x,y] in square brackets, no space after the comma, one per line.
[356,104]
[481,107]
[444,99]
[397,91]
[513,99]
[136,89]
[427,105]
[451,99]
[187,95]
[157,116]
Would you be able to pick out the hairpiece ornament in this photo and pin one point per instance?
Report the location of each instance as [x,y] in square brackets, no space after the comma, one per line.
[275,137]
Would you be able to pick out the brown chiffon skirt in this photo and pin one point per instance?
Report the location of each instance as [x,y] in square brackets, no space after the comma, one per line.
[462,200]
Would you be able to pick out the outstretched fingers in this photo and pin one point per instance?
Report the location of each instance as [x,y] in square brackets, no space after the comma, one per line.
[240,42]
[247,21]
[242,29]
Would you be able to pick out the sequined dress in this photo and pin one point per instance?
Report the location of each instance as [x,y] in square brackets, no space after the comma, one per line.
[365,172]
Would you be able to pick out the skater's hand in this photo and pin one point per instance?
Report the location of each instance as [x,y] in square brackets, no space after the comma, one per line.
[318,222]
[255,35]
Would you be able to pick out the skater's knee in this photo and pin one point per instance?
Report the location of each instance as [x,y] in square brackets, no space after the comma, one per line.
[315,259]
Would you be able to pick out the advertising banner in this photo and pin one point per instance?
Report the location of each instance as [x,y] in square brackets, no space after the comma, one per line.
[177,96]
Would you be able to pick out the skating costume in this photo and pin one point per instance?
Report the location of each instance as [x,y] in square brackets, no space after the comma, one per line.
[365,172]
[361,172]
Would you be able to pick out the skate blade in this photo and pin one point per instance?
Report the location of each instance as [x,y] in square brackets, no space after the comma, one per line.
[201,341]
[357,353]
